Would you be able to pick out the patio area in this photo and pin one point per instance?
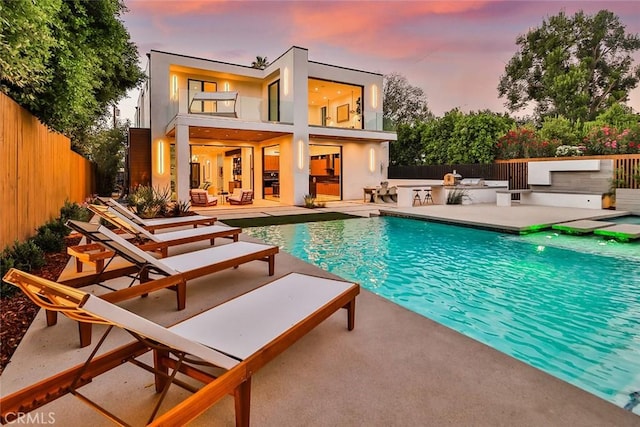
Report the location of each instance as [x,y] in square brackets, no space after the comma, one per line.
[395,368]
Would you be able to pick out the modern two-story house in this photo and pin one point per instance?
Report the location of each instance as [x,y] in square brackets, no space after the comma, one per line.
[294,128]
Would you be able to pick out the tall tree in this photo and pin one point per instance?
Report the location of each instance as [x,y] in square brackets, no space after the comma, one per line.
[572,66]
[66,61]
[260,63]
[403,103]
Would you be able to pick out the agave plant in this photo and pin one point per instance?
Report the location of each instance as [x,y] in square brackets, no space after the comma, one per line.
[149,202]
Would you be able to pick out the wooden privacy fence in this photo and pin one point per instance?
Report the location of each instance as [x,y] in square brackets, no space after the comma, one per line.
[38,172]
[515,171]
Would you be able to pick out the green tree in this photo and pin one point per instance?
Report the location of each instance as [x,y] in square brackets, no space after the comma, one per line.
[66,60]
[403,103]
[438,135]
[260,63]
[572,66]
[408,150]
[26,41]
[561,130]
[106,147]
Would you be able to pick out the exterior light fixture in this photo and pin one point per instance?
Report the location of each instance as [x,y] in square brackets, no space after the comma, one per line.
[300,154]
[174,87]
[372,160]
[285,77]
[374,96]
[161,158]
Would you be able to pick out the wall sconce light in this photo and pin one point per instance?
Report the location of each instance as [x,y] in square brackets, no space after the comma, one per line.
[285,78]
[300,154]
[374,96]
[208,174]
[161,158]
[227,87]
[372,160]
[174,87]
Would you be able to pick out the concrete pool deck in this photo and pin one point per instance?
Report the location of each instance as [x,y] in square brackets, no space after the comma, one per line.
[395,368]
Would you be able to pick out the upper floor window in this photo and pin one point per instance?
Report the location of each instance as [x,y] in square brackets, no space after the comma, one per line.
[274,101]
[335,104]
[202,106]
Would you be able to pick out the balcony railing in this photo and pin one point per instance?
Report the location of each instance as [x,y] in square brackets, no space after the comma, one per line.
[248,108]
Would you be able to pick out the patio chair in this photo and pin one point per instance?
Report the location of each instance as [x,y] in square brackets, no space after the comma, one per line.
[241,197]
[237,337]
[200,197]
[173,271]
[157,223]
[383,194]
[95,254]
[393,194]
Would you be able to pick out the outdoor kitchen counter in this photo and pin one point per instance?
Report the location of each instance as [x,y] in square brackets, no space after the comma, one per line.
[439,192]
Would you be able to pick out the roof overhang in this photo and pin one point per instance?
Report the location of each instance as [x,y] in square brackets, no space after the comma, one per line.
[355,135]
[223,128]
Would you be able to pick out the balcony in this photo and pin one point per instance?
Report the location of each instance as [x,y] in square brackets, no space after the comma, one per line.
[233,110]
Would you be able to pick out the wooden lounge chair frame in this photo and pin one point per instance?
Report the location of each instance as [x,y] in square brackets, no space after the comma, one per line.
[96,254]
[158,223]
[172,350]
[144,265]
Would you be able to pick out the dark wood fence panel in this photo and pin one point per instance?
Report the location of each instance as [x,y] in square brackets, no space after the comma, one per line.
[139,157]
[38,173]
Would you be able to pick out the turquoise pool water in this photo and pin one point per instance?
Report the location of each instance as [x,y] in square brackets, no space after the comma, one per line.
[564,304]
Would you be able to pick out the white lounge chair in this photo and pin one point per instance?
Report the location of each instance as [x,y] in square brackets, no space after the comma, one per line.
[239,337]
[158,223]
[174,271]
[155,242]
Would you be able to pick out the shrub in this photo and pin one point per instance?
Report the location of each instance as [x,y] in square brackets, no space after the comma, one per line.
[149,202]
[24,256]
[456,196]
[56,226]
[72,210]
[6,263]
[180,208]
[48,240]
[309,201]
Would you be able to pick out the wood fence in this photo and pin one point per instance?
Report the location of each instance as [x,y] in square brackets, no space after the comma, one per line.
[38,172]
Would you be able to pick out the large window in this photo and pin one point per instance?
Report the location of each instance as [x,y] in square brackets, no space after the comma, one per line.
[222,167]
[202,106]
[274,101]
[335,104]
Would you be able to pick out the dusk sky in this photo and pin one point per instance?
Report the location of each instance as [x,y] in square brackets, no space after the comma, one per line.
[455,51]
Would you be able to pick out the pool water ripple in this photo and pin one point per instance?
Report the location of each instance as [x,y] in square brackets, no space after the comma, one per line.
[567,305]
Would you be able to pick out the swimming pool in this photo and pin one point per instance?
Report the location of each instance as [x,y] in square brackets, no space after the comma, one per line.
[572,313]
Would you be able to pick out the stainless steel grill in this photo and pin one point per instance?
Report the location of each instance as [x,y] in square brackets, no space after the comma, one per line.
[472,181]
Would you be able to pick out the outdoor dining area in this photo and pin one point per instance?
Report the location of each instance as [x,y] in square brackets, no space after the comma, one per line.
[381,193]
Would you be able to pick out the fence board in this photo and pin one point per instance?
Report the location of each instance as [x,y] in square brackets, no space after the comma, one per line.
[38,172]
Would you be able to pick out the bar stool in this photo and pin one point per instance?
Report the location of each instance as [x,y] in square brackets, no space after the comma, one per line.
[427,196]
[416,197]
